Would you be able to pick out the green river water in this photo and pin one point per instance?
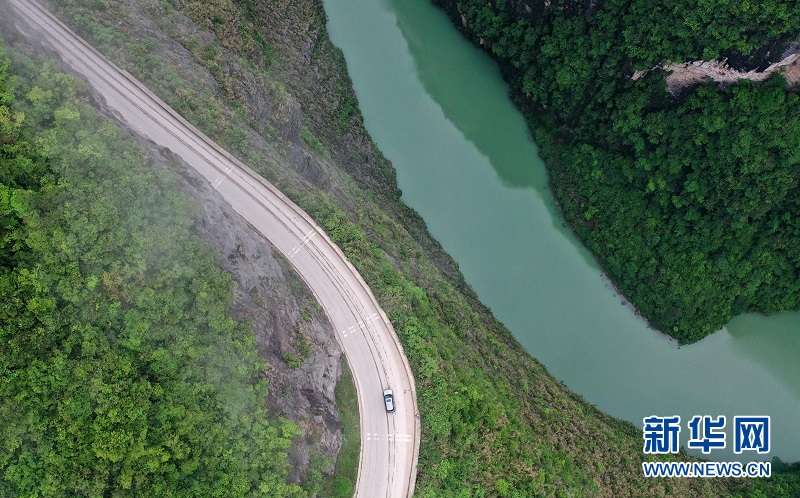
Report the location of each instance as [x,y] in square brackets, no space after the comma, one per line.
[439,109]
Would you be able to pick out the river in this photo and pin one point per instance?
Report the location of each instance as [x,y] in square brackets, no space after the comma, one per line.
[439,110]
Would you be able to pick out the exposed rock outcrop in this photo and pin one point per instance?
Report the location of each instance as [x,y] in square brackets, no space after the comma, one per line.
[680,76]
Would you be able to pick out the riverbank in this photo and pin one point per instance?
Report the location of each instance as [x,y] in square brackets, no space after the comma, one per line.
[465,160]
[683,199]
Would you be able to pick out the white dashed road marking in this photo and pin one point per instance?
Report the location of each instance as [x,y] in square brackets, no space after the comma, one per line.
[349,330]
[400,438]
[222,177]
[303,242]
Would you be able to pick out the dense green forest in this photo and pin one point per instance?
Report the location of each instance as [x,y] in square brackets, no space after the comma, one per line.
[689,201]
[121,370]
[494,422]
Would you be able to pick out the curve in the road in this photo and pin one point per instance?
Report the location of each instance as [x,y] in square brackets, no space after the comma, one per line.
[389,442]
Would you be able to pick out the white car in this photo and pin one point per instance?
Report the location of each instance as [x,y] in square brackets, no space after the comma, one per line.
[388,400]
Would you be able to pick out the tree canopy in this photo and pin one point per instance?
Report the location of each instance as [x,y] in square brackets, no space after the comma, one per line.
[121,370]
[688,201]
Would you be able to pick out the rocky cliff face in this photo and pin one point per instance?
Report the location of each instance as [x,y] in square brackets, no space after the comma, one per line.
[293,334]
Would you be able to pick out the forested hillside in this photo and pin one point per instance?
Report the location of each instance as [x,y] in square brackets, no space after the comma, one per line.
[689,201]
[262,78]
[121,370]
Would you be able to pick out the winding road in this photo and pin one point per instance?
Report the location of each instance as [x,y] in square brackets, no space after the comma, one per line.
[389,441]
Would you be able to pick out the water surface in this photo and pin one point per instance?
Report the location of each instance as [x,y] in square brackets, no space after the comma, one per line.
[439,110]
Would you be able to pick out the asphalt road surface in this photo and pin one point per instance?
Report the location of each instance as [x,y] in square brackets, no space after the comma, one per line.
[389,441]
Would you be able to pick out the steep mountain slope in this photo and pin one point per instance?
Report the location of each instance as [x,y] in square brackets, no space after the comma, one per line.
[262,78]
[292,334]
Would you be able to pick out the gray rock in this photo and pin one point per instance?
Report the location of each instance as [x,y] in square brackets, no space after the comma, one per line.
[284,314]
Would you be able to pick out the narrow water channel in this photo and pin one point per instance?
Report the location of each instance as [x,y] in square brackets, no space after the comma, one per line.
[439,110]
